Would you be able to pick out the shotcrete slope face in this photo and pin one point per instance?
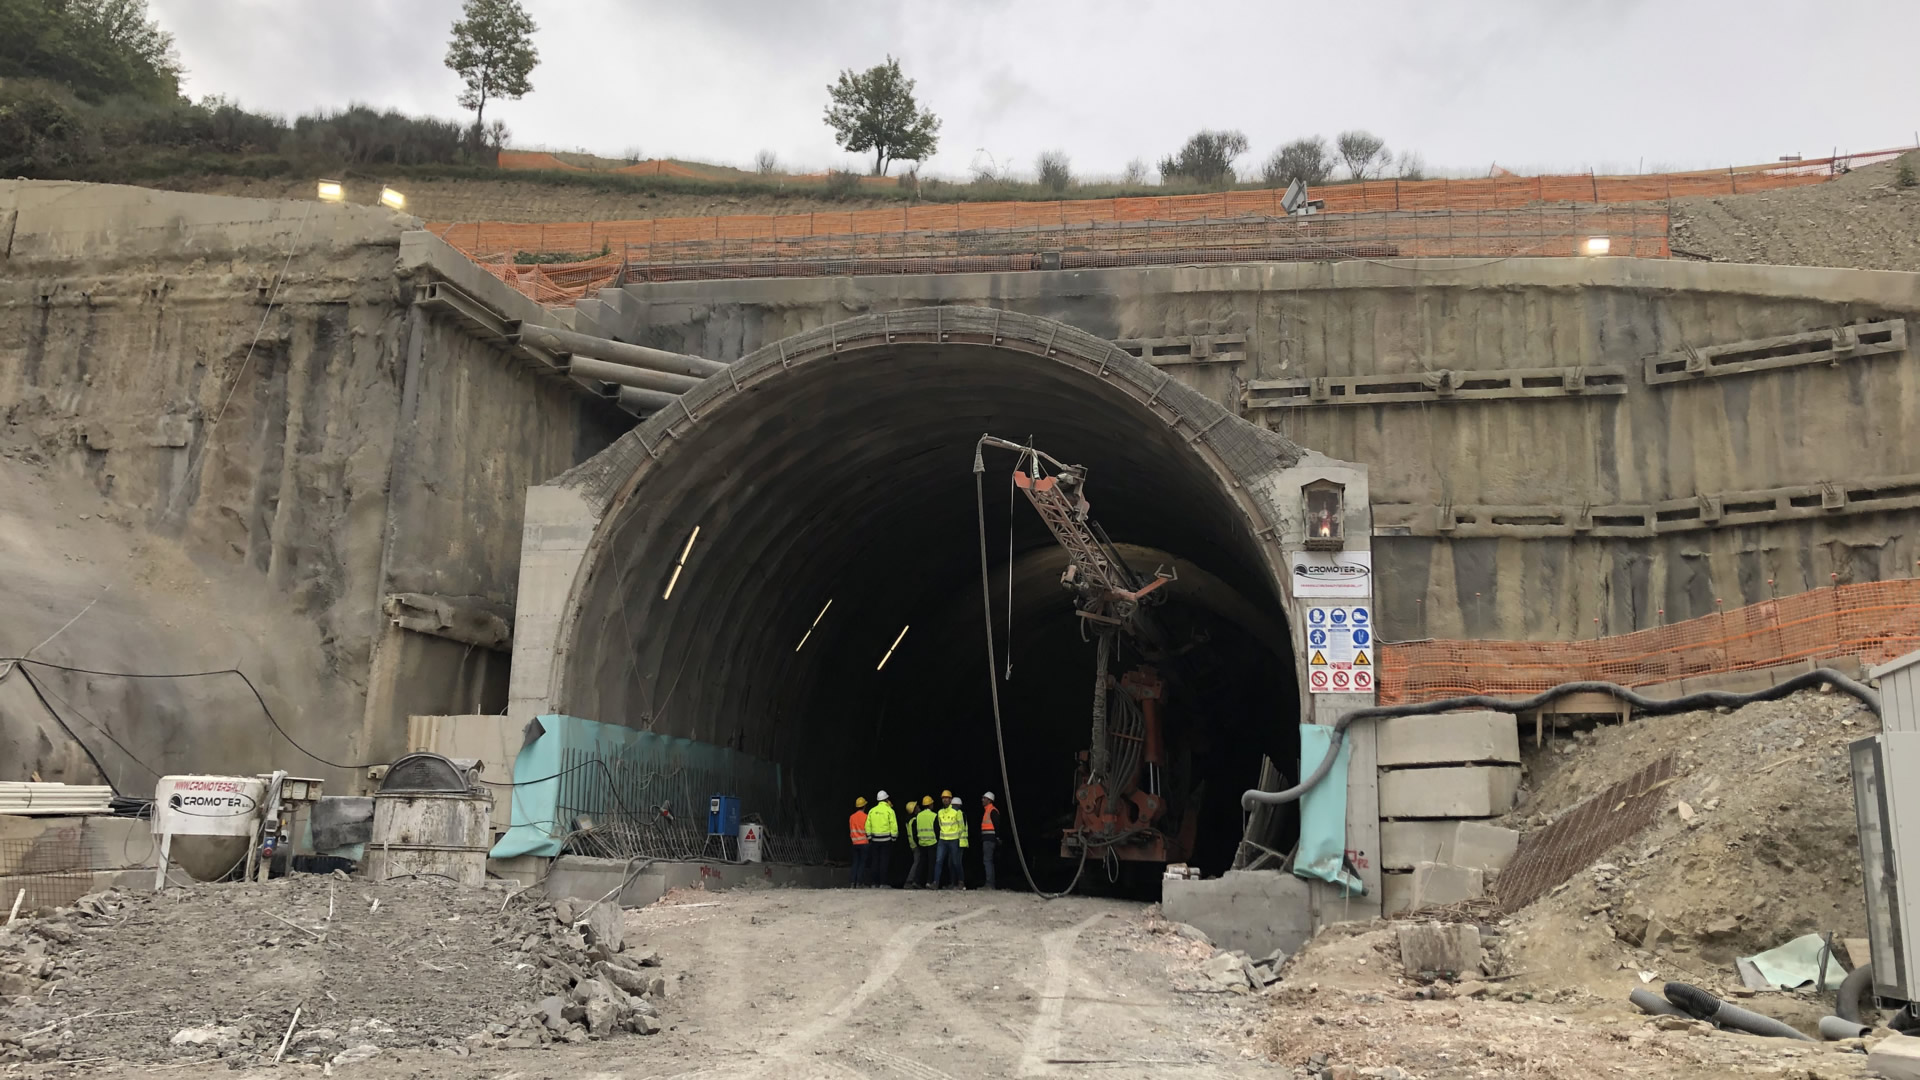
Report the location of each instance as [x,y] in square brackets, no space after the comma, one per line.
[846,484]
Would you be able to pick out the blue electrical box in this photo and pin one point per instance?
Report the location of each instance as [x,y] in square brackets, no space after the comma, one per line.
[723,815]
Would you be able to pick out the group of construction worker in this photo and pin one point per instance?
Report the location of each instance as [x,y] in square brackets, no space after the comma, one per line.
[937,838]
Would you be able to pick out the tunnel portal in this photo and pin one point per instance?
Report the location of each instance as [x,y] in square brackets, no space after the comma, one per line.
[790,566]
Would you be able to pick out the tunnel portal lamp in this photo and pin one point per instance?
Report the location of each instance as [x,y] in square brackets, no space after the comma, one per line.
[816,622]
[1326,515]
[890,648]
[393,199]
[1596,245]
[680,563]
[332,191]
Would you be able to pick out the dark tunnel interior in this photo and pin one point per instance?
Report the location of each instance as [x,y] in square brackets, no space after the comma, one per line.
[836,508]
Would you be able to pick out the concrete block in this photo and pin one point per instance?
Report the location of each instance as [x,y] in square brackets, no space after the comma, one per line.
[1472,791]
[1462,843]
[1440,884]
[1449,948]
[1396,894]
[1896,1057]
[1456,738]
[1253,911]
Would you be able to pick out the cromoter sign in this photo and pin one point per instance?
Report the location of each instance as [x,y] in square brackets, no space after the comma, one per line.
[1331,573]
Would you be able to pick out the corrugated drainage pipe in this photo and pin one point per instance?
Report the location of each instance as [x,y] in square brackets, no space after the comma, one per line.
[1834,1028]
[1705,1006]
[1653,1004]
[1707,699]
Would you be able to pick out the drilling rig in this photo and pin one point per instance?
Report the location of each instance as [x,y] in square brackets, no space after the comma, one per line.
[1120,807]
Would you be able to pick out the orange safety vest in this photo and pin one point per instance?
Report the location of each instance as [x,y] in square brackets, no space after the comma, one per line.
[986,819]
[857,826]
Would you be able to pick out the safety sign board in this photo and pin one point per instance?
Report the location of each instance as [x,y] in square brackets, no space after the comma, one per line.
[1340,658]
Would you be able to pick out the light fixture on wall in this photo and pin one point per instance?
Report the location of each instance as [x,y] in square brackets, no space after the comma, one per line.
[680,563]
[393,199]
[332,191]
[816,622]
[1596,245]
[1325,504]
[890,648]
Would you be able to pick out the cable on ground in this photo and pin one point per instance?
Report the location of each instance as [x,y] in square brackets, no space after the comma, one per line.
[1706,699]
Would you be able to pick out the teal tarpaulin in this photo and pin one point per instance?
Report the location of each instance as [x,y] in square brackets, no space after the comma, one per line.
[1323,814]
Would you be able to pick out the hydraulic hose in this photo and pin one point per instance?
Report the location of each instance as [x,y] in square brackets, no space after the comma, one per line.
[993,687]
[1706,699]
[1704,1006]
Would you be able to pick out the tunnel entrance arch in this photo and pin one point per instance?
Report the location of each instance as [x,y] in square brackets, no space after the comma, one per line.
[826,613]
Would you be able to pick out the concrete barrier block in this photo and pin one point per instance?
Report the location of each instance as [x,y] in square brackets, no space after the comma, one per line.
[1254,911]
[1396,894]
[1473,791]
[1440,884]
[1463,843]
[1441,948]
[1456,738]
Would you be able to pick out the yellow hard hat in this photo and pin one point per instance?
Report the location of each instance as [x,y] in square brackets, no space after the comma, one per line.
[945,794]
[926,800]
[859,801]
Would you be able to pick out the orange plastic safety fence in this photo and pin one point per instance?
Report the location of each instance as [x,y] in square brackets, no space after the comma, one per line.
[1872,622]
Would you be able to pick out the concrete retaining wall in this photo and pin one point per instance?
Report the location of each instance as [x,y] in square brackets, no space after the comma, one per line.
[358,448]
[1485,507]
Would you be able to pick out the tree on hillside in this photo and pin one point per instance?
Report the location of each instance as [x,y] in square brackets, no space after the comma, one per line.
[1055,170]
[1364,153]
[95,48]
[1206,159]
[492,52]
[875,110]
[1305,160]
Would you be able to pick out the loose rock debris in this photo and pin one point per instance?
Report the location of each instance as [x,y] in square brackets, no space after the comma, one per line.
[217,971]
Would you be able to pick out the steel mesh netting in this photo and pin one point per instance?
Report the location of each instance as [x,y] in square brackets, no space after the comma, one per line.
[1872,622]
[650,800]
[1549,856]
[53,869]
[1246,449]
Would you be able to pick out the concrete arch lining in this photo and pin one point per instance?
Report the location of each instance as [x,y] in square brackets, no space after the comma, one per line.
[834,466]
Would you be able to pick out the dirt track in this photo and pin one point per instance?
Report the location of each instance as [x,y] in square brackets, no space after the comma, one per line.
[876,984]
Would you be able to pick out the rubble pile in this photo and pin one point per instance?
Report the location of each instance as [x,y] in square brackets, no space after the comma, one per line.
[217,972]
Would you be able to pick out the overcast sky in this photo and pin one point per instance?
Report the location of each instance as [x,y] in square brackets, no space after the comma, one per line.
[1528,84]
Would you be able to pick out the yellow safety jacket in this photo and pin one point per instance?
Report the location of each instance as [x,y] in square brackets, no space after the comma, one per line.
[925,831]
[953,825]
[881,822]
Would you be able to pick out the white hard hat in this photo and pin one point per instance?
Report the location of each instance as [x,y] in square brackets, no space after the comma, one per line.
[956,800]
[988,796]
[882,796]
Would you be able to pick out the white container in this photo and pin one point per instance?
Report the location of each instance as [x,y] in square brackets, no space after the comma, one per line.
[206,823]
[431,834]
[752,837]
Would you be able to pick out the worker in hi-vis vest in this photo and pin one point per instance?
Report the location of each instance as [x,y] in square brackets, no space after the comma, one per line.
[857,833]
[882,827]
[924,835]
[952,826]
[989,835]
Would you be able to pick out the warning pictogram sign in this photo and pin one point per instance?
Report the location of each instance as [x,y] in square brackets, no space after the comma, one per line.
[1339,637]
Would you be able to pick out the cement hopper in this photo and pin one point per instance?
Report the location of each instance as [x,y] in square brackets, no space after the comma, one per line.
[205,824]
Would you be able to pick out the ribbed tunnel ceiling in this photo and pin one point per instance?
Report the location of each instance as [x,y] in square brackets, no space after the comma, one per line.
[849,479]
